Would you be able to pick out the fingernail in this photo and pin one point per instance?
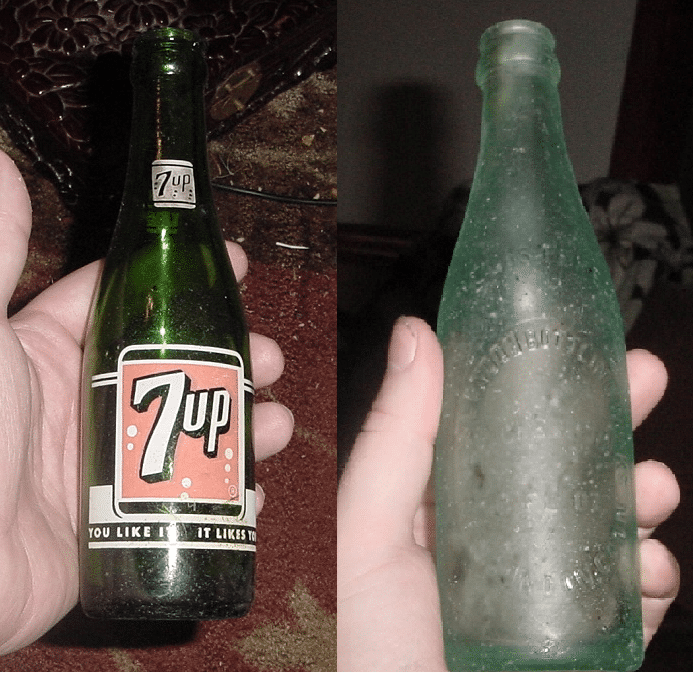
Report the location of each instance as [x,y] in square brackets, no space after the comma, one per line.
[402,346]
[291,415]
[259,496]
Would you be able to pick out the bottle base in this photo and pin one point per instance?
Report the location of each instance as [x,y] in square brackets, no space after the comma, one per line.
[136,610]
[607,656]
[166,584]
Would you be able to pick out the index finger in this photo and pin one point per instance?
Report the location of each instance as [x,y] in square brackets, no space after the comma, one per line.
[68,300]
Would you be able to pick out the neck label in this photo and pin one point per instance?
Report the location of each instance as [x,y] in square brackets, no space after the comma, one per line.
[173,183]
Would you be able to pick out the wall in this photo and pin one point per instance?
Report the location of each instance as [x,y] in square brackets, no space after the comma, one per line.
[409,108]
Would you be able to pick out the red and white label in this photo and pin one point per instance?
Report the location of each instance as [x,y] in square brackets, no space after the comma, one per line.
[178,438]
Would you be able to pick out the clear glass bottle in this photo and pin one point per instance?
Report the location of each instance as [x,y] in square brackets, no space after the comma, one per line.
[536,537]
[168,494]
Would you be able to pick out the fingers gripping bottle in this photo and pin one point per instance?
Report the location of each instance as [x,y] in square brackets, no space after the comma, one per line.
[536,536]
[168,496]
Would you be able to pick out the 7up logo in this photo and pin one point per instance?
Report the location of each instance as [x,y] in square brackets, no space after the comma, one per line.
[173,184]
[179,435]
[201,413]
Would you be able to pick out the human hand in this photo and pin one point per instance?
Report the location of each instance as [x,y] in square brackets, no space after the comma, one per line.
[40,372]
[388,613]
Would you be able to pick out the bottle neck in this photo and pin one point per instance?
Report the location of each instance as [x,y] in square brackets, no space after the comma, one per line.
[524,180]
[522,131]
[523,148]
[168,122]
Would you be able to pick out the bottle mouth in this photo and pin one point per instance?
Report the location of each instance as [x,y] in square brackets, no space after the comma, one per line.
[167,34]
[518,45]
[164,39]
[169,51]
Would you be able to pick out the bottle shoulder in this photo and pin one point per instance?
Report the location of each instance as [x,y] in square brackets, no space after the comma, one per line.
[491,287]
[158,293]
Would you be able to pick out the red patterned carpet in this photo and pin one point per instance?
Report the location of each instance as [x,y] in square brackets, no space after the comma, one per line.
[288,147]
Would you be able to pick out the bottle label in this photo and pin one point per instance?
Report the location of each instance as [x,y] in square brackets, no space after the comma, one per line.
[173,183]
[179,452]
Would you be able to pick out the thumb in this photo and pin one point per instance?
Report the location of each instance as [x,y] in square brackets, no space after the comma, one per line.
[15,227]
[384,482]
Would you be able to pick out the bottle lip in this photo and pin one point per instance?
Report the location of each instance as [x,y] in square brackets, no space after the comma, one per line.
[521,26]
[526,46]
[169,39]
[167,34]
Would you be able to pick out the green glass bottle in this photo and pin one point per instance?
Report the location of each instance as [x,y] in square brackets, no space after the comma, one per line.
[168,495]
[537,555]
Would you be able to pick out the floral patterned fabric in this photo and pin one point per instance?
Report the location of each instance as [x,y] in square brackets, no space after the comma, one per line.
[54,53]
[643,233]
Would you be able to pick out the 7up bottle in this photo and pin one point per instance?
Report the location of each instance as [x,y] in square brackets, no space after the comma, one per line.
[168,494]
